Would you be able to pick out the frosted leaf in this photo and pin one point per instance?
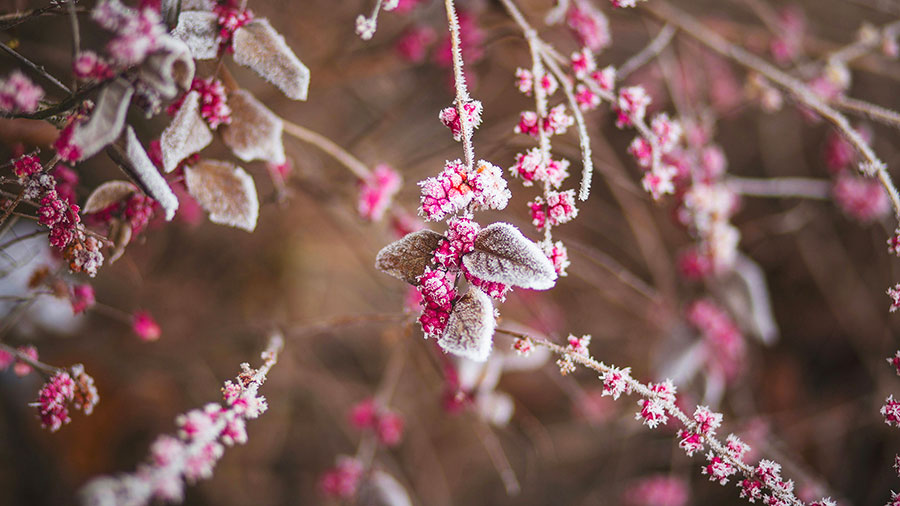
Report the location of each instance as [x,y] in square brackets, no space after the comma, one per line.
[470,328]
[186,134]
[503,255]
[197,5]
[107,194]
[107,120]
[138,165]
[254,132]
[169,68]
[199,30]
[383,489]
[257,45]
[406,258]
[225,191]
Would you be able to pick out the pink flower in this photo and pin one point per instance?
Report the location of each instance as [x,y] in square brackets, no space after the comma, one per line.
[894,294]
[588,24]
[631,106]
[586,99]
[88,65]
[524,81]
[557,254]
[413,44]
[438,291]
[891,412]
[616,382]
[690,442]
[528,124]
[26,166]
[724,341]
[21,368]
[579,345]
[363,415]
[18,94]
[717,469]
[895,362]
[6,359]
[523,347]
[583,63]
[538,213]
[558,121]
[446,193]
[145,326]
[694,264]
[667,131]
[471,114]
[606,78]
[377,191]
[653,410]
[342,481]
[389,428]
[660,181]
[642,151]
[65,147]
[82,297]
[658,490]
[213,102]
[460,240]
[861,198]
[707,421]
[230,18]
[561,207]
[53,400]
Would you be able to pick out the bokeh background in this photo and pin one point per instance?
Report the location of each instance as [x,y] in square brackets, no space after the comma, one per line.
[810,400]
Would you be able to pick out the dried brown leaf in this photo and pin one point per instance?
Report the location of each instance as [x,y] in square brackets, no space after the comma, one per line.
[120,234]
[225,191]
[108,194]
[257,45]
[169,68]
[503,255]
[186,134]
[406,258]
[470,328]
[107,120]
[254,132]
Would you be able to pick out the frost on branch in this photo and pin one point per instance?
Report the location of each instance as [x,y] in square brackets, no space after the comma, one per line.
[107,120]
[186,134]
[257,45]
[225,191]
[107,194]
[254,132]
[503,255]
[137,164]
[199,30]
[470,329]
[406,258]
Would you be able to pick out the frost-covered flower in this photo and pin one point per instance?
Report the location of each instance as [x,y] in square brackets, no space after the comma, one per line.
[631,106]
[53,401]
[377,191]
[446,193]
[18,94]
[588,24]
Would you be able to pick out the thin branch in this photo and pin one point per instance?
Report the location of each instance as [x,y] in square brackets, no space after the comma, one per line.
[358,168]
[652,50]
[462,94]
[872,111]
[31,65]
[786,187]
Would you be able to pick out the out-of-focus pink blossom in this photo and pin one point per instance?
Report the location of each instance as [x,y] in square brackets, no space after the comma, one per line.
[659,490]
[861,198]
[413,44]
[21,368]
[145,326]
[377,192]
[18,94]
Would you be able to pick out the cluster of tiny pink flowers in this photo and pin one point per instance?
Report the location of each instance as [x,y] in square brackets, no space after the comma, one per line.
[861,198]
[654,410]
[593,81]
[202,436]
[894,294]
[557,122]
[460,239]
[616,382]
[723,338]
[706,208]
[438,292]
[891,411]
[769,474]
[559,208]
[894,243]
[53,401]
[20,368]
[213,102]
[525,82]
[471,116]
[26,166]
[588,24]
[89,65]
[144,325]
[895,362]
[18,94]
[631,106]
[523,347]
[457,187]
[387,425]
[530,168]
[138,32]
[558,254]
[413,44]
[342,481]
[65,147]
[230,18]
[707,422]
[579,345]
[81,298]
[717,469]
[659,179]
[377,192]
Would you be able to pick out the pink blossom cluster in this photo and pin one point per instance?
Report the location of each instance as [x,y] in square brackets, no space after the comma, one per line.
[558,208]
[55,396]
[861,198]
[343,480]
[20,368]
[654,409]
[471,116]
[891,411]
[723,339]
[81,298]
[558,255]
[530,168]
[26,166]
[706,423]
[138,32]
[457,187]
[144,325]
[213,102]
[89,65]
[202,437]
[767,474]
[706,208]
[413,43]
[525,82]
[588,24]
[658,490]
[387,425]
[377,191]
[438,293]
[230,18]
[18,94]
[66,148]
[557,122]
[459,240]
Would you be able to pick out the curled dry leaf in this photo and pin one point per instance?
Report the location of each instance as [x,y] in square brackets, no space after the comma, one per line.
[108,194]
[503,255]
[257,45]
[470,328]
[107,120]
[120,234]
[169,68]
[225,191]
[186,134]
[199,30]
[136,163]
[254,132]
[383,489]
[406,258]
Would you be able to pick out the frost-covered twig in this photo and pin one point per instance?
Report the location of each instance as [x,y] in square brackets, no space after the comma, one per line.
[652,50]
[462,92]
[194,453]
[785,187]
[358,168]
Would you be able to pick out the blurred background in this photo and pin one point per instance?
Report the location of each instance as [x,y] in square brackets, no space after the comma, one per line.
[809,399]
